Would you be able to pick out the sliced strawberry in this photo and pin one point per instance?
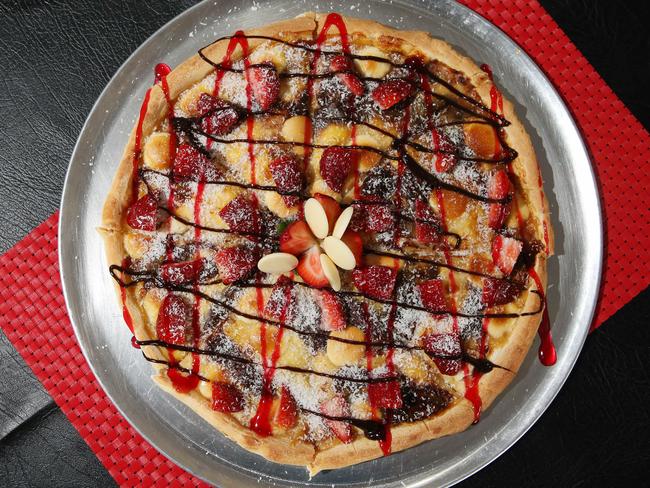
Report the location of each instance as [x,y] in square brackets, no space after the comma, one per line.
[172,320]
[505,251]
[278,303]
[241,214]
[297,238]
[446,159]
[387,394]
[287,175]
[331,207]
[427,227]
[207,103]
[310,270]
[335,165]
[350,80]
[499,292]
[332,315]
[498,188]
[432,294]
[354,242]
[358,221]
[235,263]
[287,414]
[375,281]
[337,407]
[378,218]
[191,164]
[438,345]
[226,398]
[143,214]
[265,84]
[181,273]
[218,116]
[390,93]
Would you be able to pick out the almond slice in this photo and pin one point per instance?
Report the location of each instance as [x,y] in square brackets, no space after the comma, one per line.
[294,130]
[342,222]
[277,263]
[316,218]
[338,252]
[331,273]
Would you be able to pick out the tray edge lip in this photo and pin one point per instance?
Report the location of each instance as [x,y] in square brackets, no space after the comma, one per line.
[63,224]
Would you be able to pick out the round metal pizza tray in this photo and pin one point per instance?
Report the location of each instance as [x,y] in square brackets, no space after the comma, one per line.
[180,434]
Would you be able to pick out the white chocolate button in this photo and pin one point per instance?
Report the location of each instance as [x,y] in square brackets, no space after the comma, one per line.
[371,68]
[342,353]
[342,222]
[293,130]
[331,273]
[316,218]
[339,252]
[205,387]
[156,151]
[277,263]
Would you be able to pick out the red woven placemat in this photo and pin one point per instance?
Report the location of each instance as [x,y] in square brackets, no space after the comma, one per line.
[34,312]
[619,145]
[36,322]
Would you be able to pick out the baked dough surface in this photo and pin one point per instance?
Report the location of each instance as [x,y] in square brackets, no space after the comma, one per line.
[310,443]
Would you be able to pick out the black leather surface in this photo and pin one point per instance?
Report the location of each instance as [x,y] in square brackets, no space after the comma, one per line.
[55,59]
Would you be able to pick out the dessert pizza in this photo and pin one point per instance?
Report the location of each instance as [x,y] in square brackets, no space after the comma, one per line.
[330,239]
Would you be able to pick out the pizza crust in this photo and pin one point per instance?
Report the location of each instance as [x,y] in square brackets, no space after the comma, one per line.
[460,414]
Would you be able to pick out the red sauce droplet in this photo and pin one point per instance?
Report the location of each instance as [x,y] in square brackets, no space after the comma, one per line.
[546,353]
[161,71]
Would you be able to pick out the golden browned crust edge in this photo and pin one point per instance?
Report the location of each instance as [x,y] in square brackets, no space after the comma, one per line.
[456,418]
[275,448]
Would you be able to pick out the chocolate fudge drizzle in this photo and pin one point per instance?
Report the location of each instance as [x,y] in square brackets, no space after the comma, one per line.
[377,428]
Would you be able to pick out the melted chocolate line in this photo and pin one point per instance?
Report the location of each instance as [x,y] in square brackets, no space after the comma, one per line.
[168,286]
[300,195]
[372,429]
[292,143]
[403,141]
[190,125]
[482,363]
[403,304]
[511,154]
[142,276]
[447,312]
[412,165]
[257,318]
[412,259]
[212,229]
[150,277]
[243,360]
[246,186]
[499,119]
[435,182]
[396,213]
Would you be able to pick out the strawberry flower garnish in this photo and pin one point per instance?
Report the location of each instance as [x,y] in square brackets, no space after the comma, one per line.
[318,246]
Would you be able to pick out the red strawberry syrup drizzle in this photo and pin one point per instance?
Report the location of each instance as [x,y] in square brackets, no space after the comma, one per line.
[260,423]
[181,382]
[470,380]
[546,353]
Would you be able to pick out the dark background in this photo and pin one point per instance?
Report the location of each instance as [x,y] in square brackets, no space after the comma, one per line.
[57,56]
